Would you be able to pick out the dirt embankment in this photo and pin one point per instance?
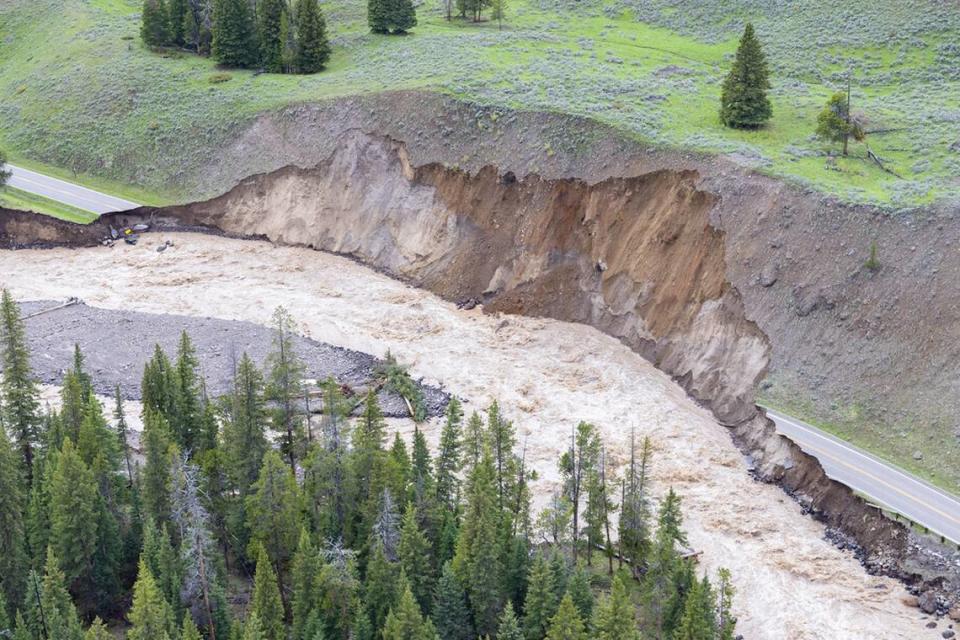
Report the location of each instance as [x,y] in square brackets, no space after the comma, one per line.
[635,257]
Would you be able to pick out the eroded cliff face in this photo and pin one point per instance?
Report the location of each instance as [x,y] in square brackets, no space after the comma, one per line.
[634,257]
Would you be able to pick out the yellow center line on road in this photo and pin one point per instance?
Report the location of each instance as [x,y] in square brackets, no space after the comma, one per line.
[827,454]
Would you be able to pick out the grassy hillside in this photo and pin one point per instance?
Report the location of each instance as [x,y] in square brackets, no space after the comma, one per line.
[81,93]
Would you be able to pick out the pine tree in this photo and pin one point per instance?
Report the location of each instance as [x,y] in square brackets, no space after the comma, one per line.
[95,438]
[253,629]
[5,624]
[635,508]
[244,432]
[836,124]
[541,602]
[397,474]
[269,19]
[415,559]
[189,630]
[285,381]
[73,399]
[561,574]
[234,38]
[86,382]
[155,479]
[366,464]
[122,433]
[59,617]
[150,616]
[37,522]
[20,400]
[502,442]
[378,16]
[449,462]
[478,557]
[421,470]
[699,617]
[615,618]
[266,602]
[21,629]
[450,611]
[509,628]
[163,562]
[199,589]
[104,590]
[380,586]
[726,621]
[304,574]
[99,631]
[73,522]
[159,386]
[667,573]
[576,466]
[473,440]
[329,468]
[339,589]
[13,559]
[566,623]
[187,422]
[154,26]
[403,16]
[743,102]
[177,15]
[405,622]
[579,589]
[670,518]
[313,48]
[272,515]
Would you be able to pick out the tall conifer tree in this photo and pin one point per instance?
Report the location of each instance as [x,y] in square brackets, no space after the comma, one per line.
[20,398]
[267,604]
[73,518]
[234,36]
[272,515]
[479,554]
[150,616]
[450,609]
[566,623]
[313,48]
[615,618]
[743,102]
[154,23]
[13,560]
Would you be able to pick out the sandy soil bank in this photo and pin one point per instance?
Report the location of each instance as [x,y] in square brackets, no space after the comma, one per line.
[791,582]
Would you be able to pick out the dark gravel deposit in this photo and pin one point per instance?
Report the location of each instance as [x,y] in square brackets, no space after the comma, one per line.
[117,345]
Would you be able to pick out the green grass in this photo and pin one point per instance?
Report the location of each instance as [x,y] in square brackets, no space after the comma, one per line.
[13,198]
[78,92]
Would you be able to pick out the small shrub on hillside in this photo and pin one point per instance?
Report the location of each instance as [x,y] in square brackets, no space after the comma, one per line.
[218,78]
[872,262]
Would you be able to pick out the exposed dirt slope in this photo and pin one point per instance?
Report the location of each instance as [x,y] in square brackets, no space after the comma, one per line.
[635,257]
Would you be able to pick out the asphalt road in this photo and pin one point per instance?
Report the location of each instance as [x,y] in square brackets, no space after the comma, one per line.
[66,192]
[883,483]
